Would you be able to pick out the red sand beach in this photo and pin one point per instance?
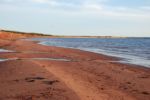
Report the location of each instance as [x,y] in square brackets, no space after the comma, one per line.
[82,76]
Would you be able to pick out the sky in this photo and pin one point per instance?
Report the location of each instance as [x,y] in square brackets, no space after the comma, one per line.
[77,17]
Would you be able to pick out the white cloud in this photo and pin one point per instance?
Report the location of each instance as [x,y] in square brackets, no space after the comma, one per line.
[40,1]
[91,6]
[145,8]
[96,7]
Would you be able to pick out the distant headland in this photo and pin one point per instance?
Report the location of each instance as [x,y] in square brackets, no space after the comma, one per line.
[10,34]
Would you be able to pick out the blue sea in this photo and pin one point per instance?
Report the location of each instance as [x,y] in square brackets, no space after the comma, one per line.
[131,50]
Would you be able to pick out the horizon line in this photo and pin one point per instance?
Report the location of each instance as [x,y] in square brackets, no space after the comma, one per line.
[109,36]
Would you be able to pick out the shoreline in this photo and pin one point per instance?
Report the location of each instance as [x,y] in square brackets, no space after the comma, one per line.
[129,59]
[114,59]
[86,76]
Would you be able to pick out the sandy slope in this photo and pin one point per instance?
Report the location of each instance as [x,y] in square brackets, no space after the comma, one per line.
[25,80]
[87,76]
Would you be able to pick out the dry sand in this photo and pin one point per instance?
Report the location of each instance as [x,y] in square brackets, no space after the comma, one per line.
[85,76]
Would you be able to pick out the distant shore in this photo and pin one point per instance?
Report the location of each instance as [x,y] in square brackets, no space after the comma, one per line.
[32,34]
[37,72]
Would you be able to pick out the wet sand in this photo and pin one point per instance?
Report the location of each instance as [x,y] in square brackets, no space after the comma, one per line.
[81,76]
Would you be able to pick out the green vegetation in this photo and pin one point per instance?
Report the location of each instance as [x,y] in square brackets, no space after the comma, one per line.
[25,33]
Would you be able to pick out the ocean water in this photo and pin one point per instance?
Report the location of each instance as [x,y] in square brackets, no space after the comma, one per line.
[131,50]
[3,50]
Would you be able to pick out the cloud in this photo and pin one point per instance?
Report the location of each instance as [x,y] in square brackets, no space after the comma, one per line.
[96,7]
[145,8]
[41,1]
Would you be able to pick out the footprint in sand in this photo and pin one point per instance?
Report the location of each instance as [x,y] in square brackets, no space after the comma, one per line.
[144,76]
[145,92]
[50,82]
[47,82]
[32,79]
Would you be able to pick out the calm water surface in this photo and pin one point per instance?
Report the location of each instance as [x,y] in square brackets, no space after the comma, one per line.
[132,50]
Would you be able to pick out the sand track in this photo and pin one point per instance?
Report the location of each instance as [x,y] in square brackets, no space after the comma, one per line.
[86,76]
[85,84]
